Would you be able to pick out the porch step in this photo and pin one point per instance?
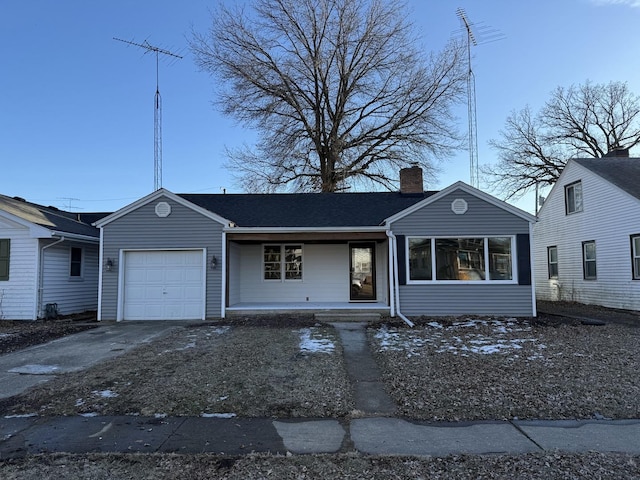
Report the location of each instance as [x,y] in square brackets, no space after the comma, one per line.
[347,317]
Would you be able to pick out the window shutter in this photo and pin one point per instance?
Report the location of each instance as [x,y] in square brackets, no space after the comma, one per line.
[402,260]
[4,258]
[523,249]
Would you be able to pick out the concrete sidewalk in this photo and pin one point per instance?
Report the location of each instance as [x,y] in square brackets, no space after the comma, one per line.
[375,436]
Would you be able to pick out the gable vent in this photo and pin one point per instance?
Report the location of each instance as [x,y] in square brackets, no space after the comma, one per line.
[459,206]
[163,209]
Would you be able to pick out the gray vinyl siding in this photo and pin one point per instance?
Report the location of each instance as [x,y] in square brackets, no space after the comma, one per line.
[482,219]
[142,229]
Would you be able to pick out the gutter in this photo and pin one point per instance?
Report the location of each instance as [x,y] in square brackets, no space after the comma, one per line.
[41,272]
[395,297]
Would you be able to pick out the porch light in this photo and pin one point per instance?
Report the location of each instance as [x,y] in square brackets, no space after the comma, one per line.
[214,262]
[109,265]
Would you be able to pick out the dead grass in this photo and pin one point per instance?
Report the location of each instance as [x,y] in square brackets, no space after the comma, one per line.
[210,370]
[547,466]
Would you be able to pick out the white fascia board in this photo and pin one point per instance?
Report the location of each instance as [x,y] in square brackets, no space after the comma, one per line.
[467,189]
[303,229]
[155,196]
[76,236]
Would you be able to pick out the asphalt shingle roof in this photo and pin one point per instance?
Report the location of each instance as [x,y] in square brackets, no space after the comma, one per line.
[50,217]
[623,172]
[306,209]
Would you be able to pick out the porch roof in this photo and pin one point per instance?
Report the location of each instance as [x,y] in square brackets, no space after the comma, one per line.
[306,209]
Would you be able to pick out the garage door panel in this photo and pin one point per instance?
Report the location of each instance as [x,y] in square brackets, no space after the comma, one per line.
[163,285]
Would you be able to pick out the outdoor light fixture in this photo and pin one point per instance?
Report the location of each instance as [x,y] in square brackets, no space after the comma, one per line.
[214,262]
[109,265]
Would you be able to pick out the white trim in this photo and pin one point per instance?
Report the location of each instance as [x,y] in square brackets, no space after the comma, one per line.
[35,231]
[380,229]
[100,274]
[153,197]
[223,281]
[534,306]
[485,248]
[391,273]
[121,268]
[465,188]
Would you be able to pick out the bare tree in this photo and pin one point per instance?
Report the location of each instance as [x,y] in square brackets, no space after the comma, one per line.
[581,121]
[337,90]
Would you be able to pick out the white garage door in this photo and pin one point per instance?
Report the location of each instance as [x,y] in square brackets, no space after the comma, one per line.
[164,285]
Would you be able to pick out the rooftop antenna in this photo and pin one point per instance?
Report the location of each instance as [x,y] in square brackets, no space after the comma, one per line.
[488,35]
[157,112]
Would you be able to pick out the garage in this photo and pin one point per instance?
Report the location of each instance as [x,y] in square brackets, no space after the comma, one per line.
[163,285]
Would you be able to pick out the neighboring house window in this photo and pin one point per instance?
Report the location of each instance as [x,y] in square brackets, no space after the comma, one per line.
[635,256]
[420,259]
[485,258]
[75,269]
[589,260]
[573,197]
[282,258]
[552,261]
[5,245]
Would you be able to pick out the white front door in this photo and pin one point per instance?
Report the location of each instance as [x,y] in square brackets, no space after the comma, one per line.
[164,285]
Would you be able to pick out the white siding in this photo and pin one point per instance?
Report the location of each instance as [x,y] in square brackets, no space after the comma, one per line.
[325,276]
[609,217]
[72,294]
[18,294]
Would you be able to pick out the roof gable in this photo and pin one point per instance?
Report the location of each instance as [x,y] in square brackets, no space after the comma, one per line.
[623,172]
[157,195]
[45,221]
[471,191]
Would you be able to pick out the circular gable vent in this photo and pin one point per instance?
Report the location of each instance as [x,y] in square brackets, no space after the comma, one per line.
[163,209]
[459,206]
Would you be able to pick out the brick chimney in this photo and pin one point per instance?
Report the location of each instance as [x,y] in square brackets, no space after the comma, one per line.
[618,152]
[411,180]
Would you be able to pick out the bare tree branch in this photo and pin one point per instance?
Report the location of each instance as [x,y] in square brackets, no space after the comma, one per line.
[581,121]
[337,90]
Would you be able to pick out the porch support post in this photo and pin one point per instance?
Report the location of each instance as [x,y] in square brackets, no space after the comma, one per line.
[392,301]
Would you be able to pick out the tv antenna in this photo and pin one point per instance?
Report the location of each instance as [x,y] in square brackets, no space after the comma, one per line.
[486,35]
[157,112]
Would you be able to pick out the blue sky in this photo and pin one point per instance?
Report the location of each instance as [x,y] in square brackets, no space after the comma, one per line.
[76,106]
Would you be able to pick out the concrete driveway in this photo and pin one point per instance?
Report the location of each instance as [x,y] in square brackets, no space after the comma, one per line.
[31,366]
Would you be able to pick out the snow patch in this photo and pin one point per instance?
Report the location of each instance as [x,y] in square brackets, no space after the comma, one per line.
[23,415]
[218,415]
[89,414]
[35,369]
[311,341]
[105,393]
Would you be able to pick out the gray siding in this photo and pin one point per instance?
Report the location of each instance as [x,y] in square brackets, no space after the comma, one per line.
[482,219]
[465,299]
[143,229]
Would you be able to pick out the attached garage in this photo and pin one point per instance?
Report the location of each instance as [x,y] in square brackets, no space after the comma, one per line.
[163,285]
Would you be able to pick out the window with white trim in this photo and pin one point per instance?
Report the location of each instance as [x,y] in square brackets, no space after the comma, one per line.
[552,261]
[573,197]
[470,259]
[589,260]
[282,258]
[635,256]
[75,262]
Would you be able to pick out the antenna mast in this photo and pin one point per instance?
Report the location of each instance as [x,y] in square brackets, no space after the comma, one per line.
[157,112]
[471,102]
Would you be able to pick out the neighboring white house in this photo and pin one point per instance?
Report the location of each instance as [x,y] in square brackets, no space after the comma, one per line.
[587,238]
[47,257]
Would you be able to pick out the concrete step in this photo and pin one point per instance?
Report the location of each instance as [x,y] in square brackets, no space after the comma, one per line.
[347,317]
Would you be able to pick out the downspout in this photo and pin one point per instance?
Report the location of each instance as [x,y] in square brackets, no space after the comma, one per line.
[100,275]
[532,268]
[41,273]
[396,285]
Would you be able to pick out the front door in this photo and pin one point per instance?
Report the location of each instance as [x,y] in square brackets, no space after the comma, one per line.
[362,281]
